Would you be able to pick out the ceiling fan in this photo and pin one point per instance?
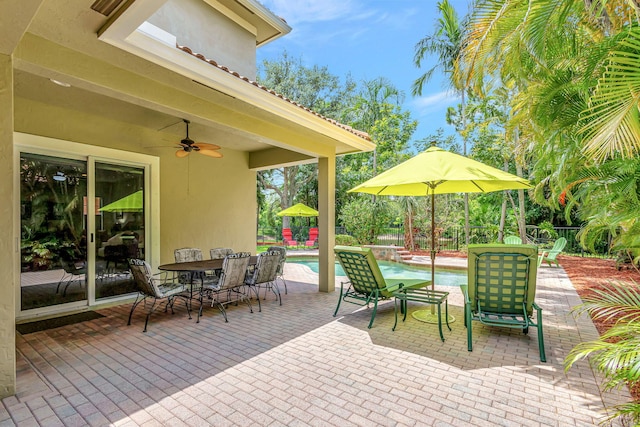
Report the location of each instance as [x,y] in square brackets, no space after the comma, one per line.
[188,145]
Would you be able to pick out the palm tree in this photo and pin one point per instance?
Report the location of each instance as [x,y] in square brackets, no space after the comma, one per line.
[446,43]
[371,105]
[616,353]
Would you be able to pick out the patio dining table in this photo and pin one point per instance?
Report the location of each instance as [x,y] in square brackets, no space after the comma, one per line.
[196,267]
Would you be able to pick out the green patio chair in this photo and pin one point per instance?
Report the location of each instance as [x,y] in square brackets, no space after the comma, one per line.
[550,255]
[501,289]
[366,283]
[512,240]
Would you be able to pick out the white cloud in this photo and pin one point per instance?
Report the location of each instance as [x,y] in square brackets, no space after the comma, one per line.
[299,11]
[438,101]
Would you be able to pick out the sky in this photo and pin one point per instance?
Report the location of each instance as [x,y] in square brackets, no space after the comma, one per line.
[369,39]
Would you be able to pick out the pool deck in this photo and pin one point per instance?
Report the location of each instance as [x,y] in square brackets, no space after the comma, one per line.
[297,365]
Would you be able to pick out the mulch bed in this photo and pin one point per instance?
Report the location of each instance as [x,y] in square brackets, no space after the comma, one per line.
[586,274]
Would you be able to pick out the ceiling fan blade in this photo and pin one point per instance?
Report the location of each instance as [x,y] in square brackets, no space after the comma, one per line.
[182,153]
[206,146]
[210,153]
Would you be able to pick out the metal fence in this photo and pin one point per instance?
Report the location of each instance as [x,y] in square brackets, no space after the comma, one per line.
[453,239]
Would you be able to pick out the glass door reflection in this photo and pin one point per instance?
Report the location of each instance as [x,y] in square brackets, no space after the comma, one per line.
[53,238]
[120,226]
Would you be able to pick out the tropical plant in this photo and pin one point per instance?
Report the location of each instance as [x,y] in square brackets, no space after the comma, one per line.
[446,43]
[365,219]
[616,353]
[316,88]
[345,240]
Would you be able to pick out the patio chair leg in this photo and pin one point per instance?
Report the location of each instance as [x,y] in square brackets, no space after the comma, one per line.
[240,296]
[273,285]
[187,303]
[64,292]
[375,309]
[543,356]
[339,300]
[467,319]
[146,321]
[133,307]
[257,292]
[222,310]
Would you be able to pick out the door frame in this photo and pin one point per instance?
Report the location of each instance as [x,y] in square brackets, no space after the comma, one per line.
[67,149]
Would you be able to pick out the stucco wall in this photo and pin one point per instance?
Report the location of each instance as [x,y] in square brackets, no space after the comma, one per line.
[7,247]
[207,203]
[207,31]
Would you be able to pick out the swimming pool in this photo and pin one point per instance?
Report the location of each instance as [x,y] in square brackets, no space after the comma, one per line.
[390,270]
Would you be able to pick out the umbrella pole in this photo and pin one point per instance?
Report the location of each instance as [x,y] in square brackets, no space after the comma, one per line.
[430,316]
[433,242]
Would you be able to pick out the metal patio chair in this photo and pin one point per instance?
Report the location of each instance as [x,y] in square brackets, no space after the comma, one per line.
[366,283]
[501,289]
[156,288]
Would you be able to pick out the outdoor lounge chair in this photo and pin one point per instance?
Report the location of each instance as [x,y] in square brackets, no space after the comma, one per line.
[287,237]
[366,283]
[313,237]
[501,289]
[156,288]
[512,240]
[550,255]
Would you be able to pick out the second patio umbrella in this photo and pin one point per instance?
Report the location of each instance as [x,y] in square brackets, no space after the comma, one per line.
[299,209]
[436,171]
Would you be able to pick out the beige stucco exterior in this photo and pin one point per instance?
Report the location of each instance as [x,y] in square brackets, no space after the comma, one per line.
[230,40]
[129,92]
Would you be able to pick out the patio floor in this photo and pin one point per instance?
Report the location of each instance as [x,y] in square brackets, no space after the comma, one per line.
[298,365]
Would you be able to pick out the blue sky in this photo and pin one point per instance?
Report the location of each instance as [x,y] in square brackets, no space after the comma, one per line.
[369,39]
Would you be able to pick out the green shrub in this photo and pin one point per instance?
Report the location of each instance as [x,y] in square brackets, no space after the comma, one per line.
[365,219]
[346,240]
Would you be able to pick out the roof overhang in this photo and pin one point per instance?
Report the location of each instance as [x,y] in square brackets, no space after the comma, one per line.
[129,31]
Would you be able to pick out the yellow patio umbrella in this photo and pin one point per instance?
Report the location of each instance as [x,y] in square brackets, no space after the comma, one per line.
[437,171]
[299,209]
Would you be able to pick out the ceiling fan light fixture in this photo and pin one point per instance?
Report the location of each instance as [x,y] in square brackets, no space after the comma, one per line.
[187,145]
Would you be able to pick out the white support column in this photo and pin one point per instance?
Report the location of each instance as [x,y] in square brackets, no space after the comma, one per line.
[327,222]
[8,243]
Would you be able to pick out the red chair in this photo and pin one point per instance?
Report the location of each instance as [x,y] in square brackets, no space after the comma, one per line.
[313,237]
[287,237]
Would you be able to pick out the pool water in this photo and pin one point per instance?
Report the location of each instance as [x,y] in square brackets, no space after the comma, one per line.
[394,270]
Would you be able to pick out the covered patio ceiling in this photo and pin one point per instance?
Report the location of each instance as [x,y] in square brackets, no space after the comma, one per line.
[123,88]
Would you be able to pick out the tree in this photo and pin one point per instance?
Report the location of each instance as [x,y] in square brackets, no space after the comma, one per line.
[574,64]
[314,87]
[376,110]
[446,43]
[366,219]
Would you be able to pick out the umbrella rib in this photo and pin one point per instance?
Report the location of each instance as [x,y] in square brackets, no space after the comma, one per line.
[479,188]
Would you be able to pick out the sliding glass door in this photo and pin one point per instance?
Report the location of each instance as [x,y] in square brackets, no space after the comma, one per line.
[53,231]
[81,219]
[120,226]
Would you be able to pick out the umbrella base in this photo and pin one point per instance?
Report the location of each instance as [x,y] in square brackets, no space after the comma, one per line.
[427,316]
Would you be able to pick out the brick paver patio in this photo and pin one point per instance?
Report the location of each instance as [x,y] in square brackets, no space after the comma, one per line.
[295,364]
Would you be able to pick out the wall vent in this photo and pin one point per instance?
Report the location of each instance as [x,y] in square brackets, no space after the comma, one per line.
[105,7]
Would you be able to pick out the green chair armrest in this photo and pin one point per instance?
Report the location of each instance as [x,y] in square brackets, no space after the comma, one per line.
[465,292]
